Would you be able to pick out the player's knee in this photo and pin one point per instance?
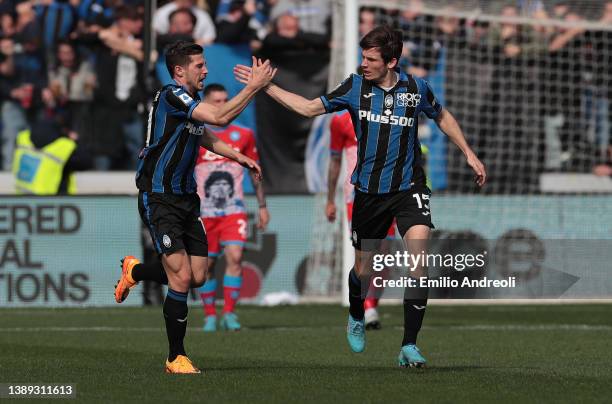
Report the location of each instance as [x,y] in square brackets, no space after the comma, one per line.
[183,279]
[234,269]
[362,267]
[199,279]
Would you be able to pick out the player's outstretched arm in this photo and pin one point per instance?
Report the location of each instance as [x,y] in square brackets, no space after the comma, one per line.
[261,75]
[449,125]
[216,145]
[291,101]
[333,173]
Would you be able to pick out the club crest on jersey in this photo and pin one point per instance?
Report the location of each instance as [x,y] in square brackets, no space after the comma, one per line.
[166,240]
[407,99]
[388,101]
[235,136]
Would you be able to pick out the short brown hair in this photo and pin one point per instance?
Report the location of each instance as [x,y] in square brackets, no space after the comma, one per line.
[179,54]
[386,39]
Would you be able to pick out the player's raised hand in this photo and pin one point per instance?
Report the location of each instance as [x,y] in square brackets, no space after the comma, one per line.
[479,169]
[242,73]
[261,73]
[251,165]
[258,75]
[330,211]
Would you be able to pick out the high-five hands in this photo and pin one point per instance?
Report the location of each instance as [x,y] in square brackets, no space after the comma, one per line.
[259,75]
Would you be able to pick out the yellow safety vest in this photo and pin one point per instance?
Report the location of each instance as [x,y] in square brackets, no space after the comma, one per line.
[39,171]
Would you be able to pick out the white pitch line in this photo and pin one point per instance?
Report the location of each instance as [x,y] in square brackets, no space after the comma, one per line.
[474,327]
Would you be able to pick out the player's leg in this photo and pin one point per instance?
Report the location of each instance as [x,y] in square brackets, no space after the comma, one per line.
[232,282]
[372,318]
[132,270]
[232,237]
[178,270]
[185,267]
[414,222]
[370,220]
[208,293]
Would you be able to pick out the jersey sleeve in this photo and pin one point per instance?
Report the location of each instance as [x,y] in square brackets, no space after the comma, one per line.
[181,104]
[340,97]
[429,103]
[250,148]
[336,140]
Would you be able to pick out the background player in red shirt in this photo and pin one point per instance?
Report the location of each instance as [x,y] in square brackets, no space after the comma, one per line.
[219,182]
[342,138]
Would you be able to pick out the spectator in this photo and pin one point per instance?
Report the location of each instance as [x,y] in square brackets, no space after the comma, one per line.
[469,71]
[560,10]
[564,117]
[367,20]
[601,48]
[46,157]
[21,81]
[302,59]
[56,19]
[420,54]
[261,14]
[71,85]
[117,135]
[314,15]
[239,24]
[182,24]
[95,14]
[515,140]
[287,40]
[7,25]
[204,32]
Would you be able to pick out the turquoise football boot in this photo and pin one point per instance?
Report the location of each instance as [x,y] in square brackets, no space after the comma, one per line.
[229,322]
[355,334]
[210,324]
[410,357]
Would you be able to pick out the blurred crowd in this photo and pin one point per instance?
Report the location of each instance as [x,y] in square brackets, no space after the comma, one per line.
[530,97]
[77,65]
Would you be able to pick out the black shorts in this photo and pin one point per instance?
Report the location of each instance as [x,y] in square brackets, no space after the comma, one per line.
[373,214]
[174,222]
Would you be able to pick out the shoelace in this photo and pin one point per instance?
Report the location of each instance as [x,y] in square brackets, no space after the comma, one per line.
[357,328]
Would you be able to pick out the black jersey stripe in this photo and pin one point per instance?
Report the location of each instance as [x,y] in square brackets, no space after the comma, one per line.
[365,104]
[175,159]
[186,161]
[382,147]
[340,91]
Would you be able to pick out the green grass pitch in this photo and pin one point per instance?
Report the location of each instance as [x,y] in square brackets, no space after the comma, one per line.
[524,353]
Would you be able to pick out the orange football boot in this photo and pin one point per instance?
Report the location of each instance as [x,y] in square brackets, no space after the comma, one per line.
[181,364]
[126,282]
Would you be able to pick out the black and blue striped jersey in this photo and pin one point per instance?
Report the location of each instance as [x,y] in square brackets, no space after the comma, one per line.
[386,126]
[166,164]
